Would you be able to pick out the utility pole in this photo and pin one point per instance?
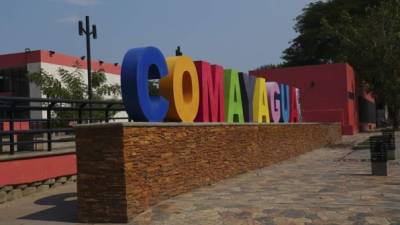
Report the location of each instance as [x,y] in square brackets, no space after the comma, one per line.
[88,33]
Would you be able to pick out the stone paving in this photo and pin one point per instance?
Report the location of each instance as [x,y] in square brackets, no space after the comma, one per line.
[327,186]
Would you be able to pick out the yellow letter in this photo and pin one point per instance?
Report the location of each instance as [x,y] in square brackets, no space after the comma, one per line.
[260,102]
[181,88]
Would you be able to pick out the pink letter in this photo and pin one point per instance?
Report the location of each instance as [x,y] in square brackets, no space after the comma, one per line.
[274,101]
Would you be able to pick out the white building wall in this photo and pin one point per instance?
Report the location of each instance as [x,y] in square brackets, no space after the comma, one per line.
[34,90]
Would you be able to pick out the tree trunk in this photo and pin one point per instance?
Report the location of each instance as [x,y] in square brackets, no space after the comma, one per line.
[396,120]
[394,116]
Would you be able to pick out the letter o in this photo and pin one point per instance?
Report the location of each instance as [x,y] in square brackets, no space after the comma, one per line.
[181,88]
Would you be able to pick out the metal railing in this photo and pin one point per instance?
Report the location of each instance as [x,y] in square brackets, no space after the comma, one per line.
[49,121]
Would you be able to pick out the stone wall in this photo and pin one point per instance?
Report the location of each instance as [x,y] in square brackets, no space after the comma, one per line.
[125,168]
[12,192]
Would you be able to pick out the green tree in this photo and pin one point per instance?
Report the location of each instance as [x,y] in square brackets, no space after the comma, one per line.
[372,46]
[314,44]
[71,85]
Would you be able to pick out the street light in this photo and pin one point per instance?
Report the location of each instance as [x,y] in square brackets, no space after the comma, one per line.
[178,51]
[87,32]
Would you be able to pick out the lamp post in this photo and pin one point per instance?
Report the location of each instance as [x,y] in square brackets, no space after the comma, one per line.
[178,51]
[88,33]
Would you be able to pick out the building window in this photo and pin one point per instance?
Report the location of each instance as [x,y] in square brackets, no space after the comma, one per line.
[14,82]
[5,83]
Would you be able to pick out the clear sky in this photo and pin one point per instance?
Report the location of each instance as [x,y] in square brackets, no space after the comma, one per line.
[240,34]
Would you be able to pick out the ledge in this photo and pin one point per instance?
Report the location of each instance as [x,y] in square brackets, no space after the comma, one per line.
[181,124]
[35,154]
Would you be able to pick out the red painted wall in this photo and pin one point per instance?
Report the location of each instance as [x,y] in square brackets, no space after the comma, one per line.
[324,92]
[30,170]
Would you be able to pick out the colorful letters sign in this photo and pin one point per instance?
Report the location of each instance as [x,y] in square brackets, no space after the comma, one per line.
[201,92]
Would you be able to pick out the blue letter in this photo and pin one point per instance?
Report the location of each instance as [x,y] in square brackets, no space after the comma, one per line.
[140,65]
[285,104]
[247,83]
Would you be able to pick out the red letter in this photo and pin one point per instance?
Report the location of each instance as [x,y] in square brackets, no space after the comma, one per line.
[294,115]
[211,80]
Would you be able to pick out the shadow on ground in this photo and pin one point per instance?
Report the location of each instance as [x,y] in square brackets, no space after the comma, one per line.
[64,209]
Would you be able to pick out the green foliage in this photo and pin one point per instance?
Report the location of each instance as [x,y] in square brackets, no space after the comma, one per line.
[71,85]
[270,66]
[154,87]
[314,44]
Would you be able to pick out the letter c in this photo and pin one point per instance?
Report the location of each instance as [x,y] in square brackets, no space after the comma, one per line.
[138,66]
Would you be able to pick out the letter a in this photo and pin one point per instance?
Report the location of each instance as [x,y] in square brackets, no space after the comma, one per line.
[233,98]
[260,102]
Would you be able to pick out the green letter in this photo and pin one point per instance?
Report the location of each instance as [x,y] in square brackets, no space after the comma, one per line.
[233,97]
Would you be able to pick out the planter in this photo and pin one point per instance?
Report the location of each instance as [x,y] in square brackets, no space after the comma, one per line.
[391,154]
[389,142]
[379,168]
[379,155]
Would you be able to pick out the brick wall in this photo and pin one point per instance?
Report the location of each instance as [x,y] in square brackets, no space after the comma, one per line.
[125,168]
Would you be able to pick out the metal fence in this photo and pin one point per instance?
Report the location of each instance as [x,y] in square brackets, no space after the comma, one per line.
[36,124]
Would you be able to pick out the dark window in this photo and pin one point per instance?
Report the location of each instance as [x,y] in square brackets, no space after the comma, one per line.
[350,95]
[14,82]
[5,83]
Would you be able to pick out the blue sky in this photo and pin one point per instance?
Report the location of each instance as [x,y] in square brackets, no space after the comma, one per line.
[240,34]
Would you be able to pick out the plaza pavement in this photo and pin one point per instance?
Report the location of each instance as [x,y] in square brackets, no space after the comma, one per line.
[327,186]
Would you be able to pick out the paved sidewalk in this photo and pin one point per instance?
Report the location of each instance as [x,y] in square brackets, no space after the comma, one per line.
[326,186]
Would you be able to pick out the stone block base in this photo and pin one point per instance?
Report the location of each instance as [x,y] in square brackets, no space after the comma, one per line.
[125,168]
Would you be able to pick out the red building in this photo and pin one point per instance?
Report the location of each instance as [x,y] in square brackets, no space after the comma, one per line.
[328,94]
[14,67]
[15,83]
